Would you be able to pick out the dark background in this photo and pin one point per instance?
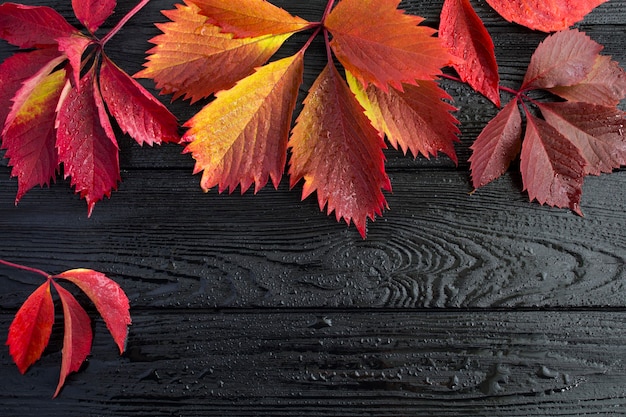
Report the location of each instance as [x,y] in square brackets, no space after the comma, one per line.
[457,304]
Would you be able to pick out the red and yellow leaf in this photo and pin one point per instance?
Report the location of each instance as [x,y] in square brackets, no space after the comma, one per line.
[416,119]
[136,111]
[544,15]
[32,26]
[250,18]
[30,136]
[250,144]
[382,45]
[562,59]
[85,142]
[604,85]
[496,146]
[30,330]
[77,337]
[464,34]
[597,132]
[108,297]
[552,167]
[338,153]
[192,58]
[93,13]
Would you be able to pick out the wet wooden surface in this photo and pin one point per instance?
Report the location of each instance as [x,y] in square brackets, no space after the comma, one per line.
[457,304]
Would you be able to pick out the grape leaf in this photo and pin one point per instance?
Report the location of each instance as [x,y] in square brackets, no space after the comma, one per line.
[416,119]
[30,330]
[338,153]
[250,18]
[466,37]
[544,15]
[390,49]
[93,13]
[248,145]
[496,146]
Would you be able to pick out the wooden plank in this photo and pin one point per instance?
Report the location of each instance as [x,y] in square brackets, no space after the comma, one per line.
[340,363]
[167,243]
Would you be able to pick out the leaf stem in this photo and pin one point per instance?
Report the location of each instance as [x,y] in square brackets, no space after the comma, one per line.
[122,22]
[318,29]
[329,7]
[25,268]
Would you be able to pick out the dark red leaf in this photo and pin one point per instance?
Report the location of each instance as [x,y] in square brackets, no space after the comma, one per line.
[93,13]
[74,46]
[31,328]
[32,26]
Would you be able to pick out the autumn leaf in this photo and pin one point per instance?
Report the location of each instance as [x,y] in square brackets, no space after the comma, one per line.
[544,15]
[464,34]
[93,13]
[338,153]
[32,26]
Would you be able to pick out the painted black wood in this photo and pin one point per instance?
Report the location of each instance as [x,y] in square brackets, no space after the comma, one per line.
[457,304]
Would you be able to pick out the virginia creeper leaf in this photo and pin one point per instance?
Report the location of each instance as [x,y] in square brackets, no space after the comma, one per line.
[136,111]
[597,132]
[338,153]
[108,297]
[562,59]
[74,46]
[416,119]
[85,142]
[77,337]
[496,146]
[250,144]
[250,18]
[32,26]
[30,137]
[31,328]
[192,58]
[382,45]
[605,85]
[544,15]
[466,37]
[93,13]
[552,167]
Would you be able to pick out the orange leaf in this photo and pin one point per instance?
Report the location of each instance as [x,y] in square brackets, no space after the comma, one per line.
[31,328]
[544,15]
[249,144]
[416,119]
[382,45]
[250,18]
[338,153]
[192,58]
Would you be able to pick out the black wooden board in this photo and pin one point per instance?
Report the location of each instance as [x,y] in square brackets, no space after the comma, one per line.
[456,304]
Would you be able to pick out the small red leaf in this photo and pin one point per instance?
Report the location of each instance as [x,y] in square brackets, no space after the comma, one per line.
[77,337]
[31,328]
[93,13]
[136,111]
[552,167]
[32,26]
[496,146]
[562,59]
[74,46]
[464,34]
[107,296]
[86,144]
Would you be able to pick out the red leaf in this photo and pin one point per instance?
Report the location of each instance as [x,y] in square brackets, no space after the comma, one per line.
[31,328]
[466,37]
[74,46]
[562,59]
[93,13]
[382,45]
[108,297]
[32,26]
[136,111]
[77,337]
[496,146]
[552,167]
[544,15]
[250,18]
[597,132]
[86,144]
[338,153]
[416,119]
[30,137]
